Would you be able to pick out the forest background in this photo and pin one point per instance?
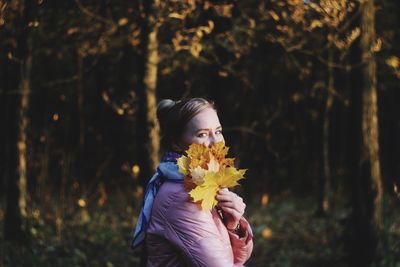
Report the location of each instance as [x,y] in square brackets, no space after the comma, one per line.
[307,95]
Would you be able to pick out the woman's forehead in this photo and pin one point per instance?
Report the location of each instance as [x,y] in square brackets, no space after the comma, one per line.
[206,119]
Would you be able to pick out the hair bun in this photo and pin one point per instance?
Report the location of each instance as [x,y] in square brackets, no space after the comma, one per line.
[163,107]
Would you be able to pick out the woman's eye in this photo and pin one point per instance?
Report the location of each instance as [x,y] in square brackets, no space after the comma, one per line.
[218,132]
[202,135]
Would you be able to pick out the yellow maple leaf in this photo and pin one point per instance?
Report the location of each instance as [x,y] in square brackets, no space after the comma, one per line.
[198,175]
[213,165]
[199,156]
[205,193]
[219,151]
[196,150]
[213,181]
[227,162]
[183,165]
[230,177]
[206,171]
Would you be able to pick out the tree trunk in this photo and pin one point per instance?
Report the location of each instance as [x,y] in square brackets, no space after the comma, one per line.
[80,101]
[370,128]
[17,181]
[43,175]
[325,193]
[22,133]
[148,128]
[368,199]
[150,85]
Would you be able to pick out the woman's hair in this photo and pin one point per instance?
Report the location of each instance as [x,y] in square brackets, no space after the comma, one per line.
[174,115]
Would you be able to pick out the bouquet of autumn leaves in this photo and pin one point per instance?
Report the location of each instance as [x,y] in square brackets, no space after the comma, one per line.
[206,171]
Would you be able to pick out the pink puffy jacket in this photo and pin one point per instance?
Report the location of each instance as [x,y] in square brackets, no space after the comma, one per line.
[180,234]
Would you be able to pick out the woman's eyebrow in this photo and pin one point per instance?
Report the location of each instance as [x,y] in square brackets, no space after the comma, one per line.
[206,129]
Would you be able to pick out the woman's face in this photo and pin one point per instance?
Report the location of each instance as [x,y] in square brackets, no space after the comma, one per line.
[203,128]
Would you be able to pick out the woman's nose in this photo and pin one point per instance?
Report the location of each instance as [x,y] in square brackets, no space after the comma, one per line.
[211,140]
[215,139]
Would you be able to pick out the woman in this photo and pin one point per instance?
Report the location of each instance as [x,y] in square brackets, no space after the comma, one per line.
[176,231]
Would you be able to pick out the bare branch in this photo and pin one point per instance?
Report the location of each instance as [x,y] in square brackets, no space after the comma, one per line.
[349,21]
[60,81]
[72,78]
[93,15]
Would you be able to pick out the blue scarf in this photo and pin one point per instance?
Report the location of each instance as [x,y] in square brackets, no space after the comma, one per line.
[166,171]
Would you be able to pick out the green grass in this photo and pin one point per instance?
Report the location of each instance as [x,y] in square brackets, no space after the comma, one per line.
[100,235]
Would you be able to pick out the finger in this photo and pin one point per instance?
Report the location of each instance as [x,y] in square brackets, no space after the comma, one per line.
[240,207]
[229,205]
[229,197]
[233,212]
[222,192]
[224,198]
[225,191]
[236,201]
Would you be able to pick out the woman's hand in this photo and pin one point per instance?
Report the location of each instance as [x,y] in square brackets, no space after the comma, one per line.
[232,206]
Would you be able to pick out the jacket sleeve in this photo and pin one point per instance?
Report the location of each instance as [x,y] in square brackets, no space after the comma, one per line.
[242,242]
[202,237]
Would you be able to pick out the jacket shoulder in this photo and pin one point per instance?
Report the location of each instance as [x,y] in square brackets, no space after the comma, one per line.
[170,194]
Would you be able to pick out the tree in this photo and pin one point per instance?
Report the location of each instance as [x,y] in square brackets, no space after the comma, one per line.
[150,84]
[17,195]
[367,201]
[323,31]
[147,125]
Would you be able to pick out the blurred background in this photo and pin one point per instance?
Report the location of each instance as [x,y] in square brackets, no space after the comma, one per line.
[307,95]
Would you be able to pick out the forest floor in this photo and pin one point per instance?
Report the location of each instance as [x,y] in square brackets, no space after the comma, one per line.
[286,233]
